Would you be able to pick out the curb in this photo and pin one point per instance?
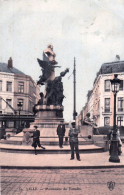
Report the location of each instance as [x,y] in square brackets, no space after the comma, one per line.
[50,151]
[62,167]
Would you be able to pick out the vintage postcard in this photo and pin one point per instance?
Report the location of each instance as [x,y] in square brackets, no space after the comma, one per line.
[61,97]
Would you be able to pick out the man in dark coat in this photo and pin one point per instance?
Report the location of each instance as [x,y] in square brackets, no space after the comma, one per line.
[73,139]
[61,133]
[36,140]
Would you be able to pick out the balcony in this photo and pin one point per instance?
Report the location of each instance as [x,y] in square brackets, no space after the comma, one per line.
[107,110]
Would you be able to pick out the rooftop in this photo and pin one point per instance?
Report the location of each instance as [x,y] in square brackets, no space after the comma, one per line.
[110,67]
[4,68]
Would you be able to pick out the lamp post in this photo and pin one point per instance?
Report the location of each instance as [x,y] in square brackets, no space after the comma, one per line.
[115,83]
[74,109]
[19,109]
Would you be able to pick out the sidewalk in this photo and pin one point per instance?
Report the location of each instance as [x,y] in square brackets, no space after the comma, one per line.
[90,160]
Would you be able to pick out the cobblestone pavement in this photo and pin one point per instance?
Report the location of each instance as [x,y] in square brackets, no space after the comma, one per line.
[62,181]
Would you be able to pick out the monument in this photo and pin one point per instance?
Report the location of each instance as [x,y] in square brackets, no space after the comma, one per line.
[49,109]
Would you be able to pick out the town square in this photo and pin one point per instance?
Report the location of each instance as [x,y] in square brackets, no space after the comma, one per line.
[61,97]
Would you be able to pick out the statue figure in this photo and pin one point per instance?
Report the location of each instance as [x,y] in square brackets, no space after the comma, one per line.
[49,55]
[53,85]
[47,64]
[40,102]
[49,93]
[47,69]
[54,90]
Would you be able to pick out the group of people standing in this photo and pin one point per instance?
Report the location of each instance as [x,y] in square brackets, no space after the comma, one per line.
[73,138]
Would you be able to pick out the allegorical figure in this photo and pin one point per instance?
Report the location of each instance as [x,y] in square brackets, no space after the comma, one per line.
[49,55]
[54,90]
[40,102]
[48,64]
[36,139]
[73,139]
[53,85]
[61,133]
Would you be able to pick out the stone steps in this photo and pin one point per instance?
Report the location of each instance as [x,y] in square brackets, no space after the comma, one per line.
[19,142]
[49,149]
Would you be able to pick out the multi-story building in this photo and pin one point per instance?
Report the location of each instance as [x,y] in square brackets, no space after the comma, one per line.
[100,101]
[16,87]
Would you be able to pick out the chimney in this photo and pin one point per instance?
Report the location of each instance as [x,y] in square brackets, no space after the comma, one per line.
[10,63]
[117,58]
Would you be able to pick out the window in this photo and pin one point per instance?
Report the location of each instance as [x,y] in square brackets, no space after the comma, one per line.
[30,106]
[121,85]
[119,120]
[22,102]
[31,90]
[8,101]
[120,104]
[106,121]
[107,104]
[0,85]
[9,86]
[21,87]
[107,85]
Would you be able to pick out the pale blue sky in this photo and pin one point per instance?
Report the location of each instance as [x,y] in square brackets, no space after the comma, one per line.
[90,30]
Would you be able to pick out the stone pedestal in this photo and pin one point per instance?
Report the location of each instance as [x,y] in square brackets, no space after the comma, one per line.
[48,116]
[47,120]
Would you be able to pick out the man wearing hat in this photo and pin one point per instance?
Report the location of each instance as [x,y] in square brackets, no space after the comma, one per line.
[73,139]
[36,140]
[61,133]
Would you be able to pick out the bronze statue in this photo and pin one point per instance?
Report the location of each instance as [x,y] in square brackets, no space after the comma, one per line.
[54,90]
[49,55]
[40,102]
[53,85]
[47,65]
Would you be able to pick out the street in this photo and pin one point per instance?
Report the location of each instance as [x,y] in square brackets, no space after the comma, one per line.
[62,181]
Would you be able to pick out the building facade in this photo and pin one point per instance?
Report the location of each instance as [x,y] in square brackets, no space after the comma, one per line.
[100,101]
[16,87]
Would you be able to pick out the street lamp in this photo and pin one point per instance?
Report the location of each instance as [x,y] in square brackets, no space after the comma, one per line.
[20,104]
[115,83]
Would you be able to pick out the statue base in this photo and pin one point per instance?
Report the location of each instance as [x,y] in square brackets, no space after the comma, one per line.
[48,115]
[47,120]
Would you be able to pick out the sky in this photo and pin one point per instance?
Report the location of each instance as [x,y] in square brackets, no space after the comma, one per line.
[92,31]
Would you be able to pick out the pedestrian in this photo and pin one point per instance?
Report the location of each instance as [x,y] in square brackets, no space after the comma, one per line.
[36,140]
[110,135]
[73,139]
[61,133]
[119,142]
